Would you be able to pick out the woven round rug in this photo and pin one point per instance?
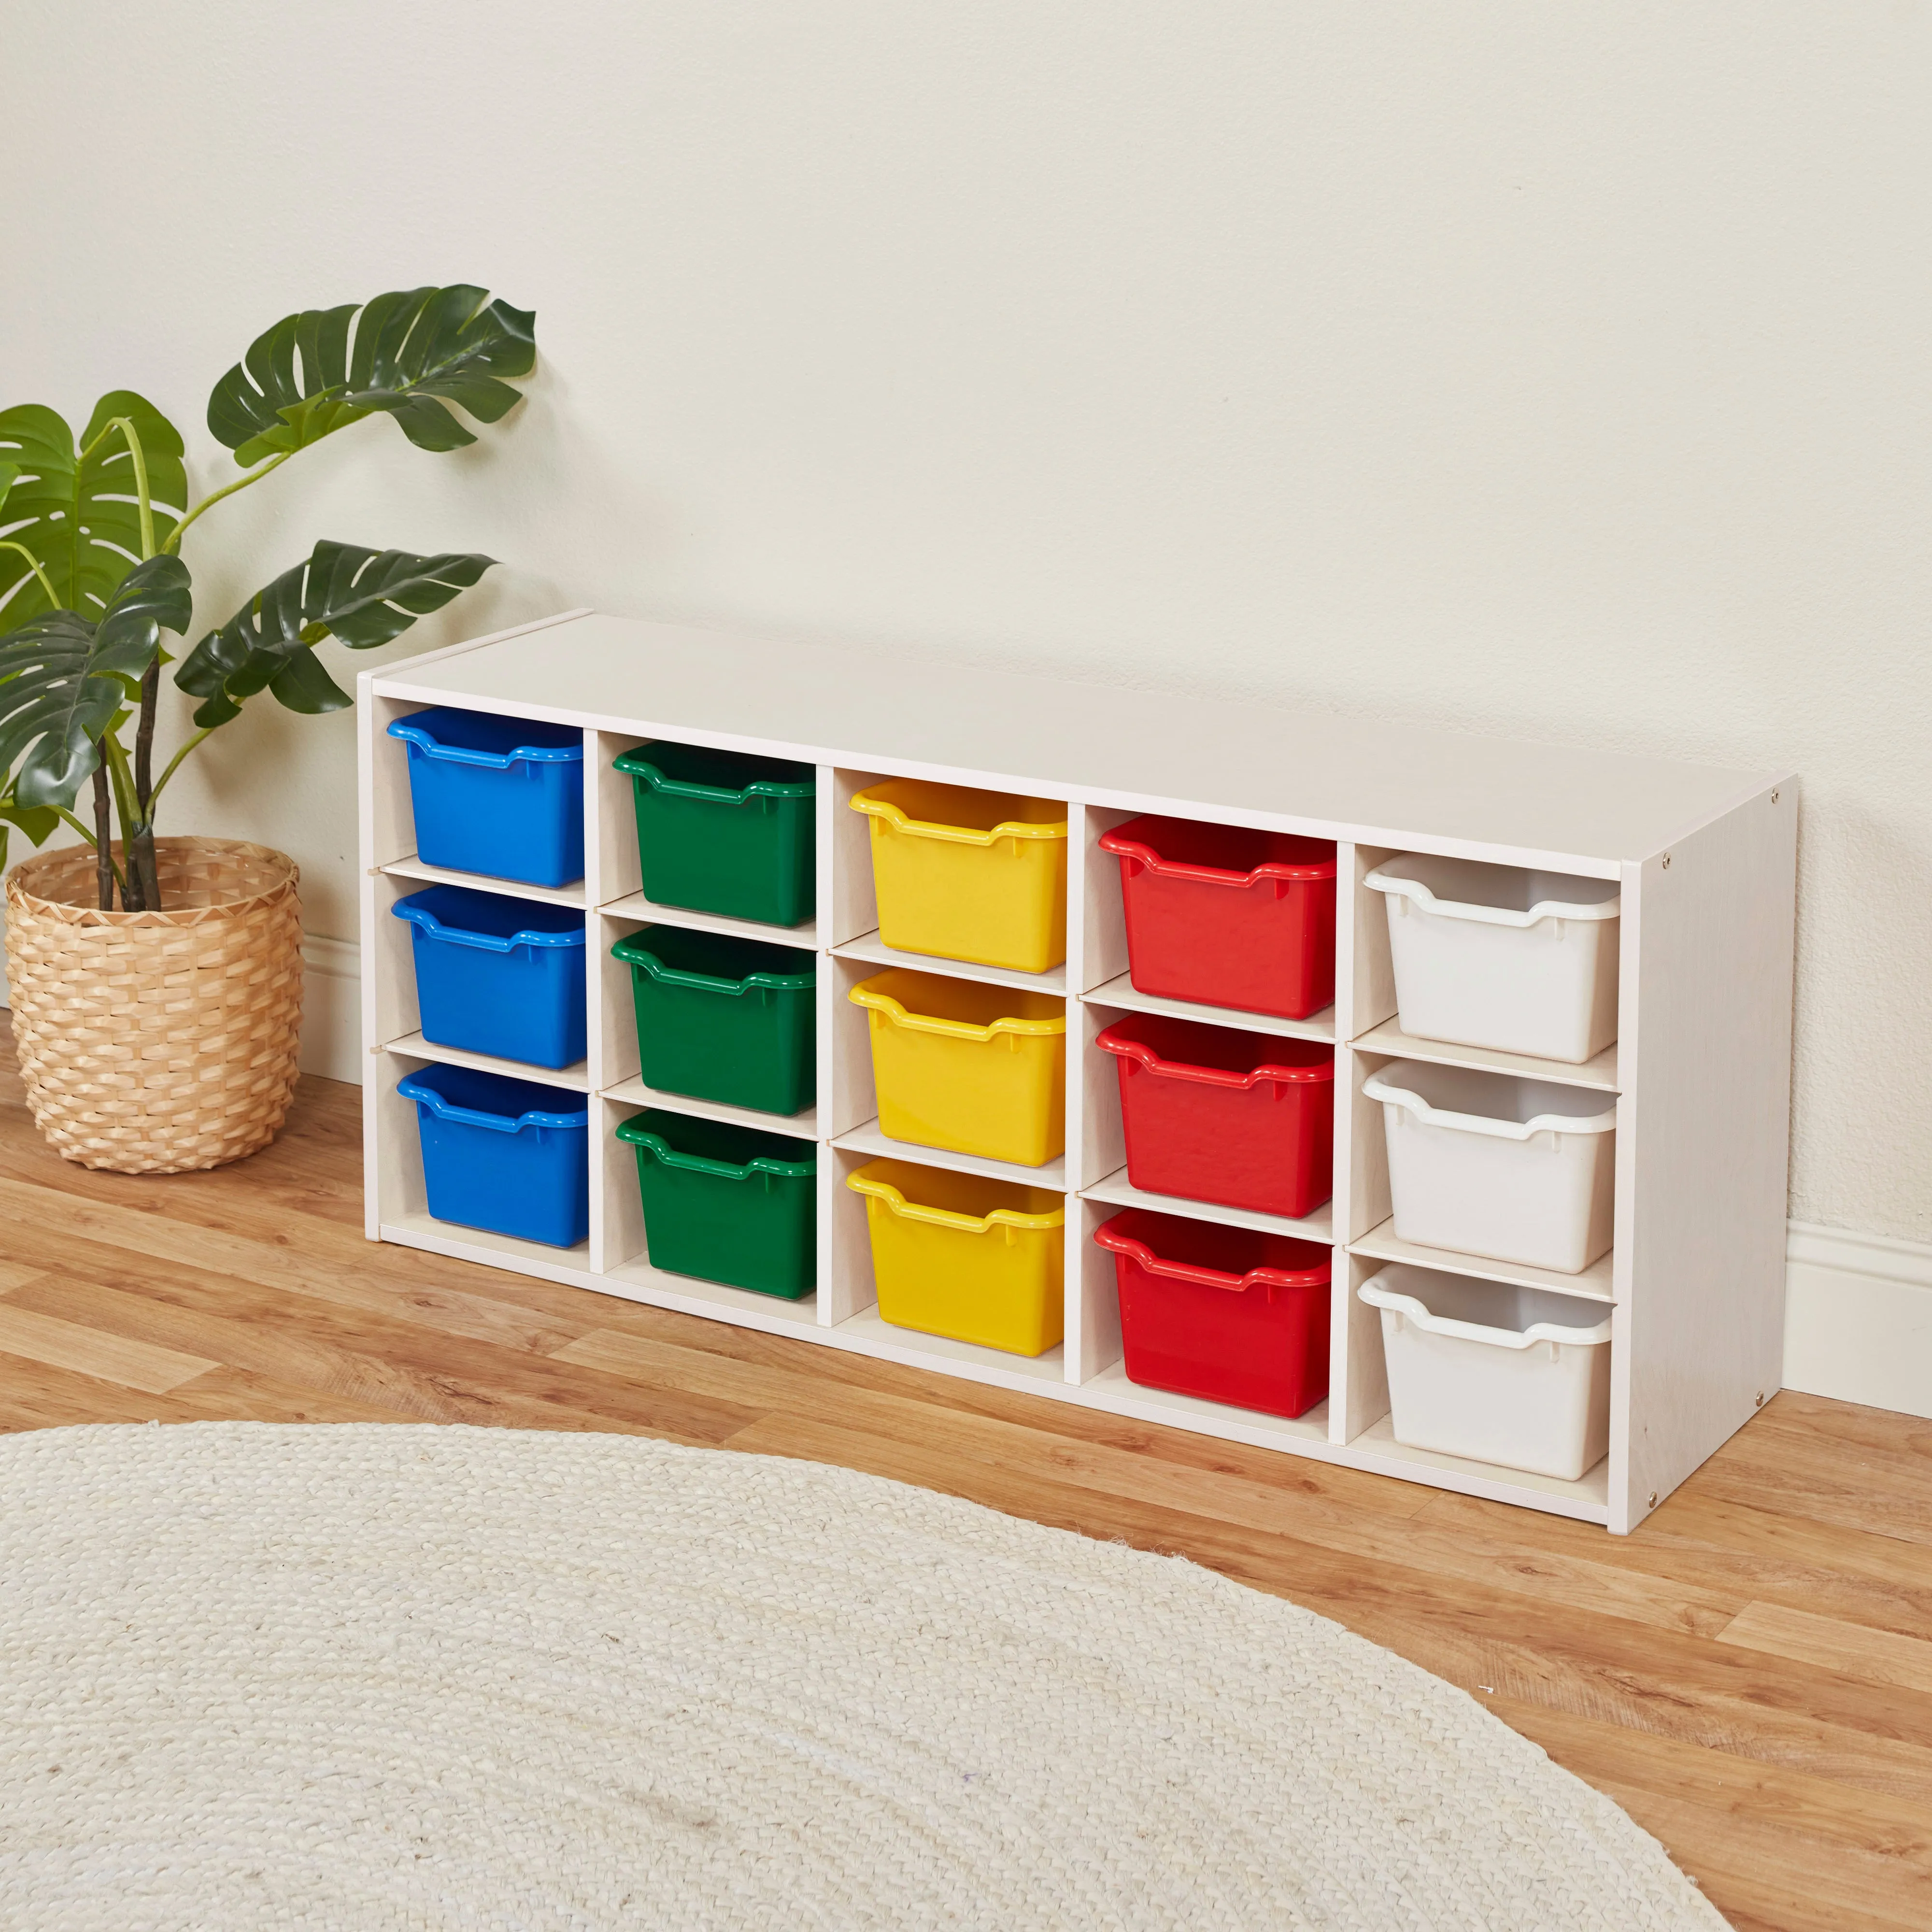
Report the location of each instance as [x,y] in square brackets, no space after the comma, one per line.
[374,1677]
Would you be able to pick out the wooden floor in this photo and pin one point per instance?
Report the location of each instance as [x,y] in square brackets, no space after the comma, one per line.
[1750,1675]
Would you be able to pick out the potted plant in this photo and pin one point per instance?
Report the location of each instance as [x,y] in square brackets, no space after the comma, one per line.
[156,982]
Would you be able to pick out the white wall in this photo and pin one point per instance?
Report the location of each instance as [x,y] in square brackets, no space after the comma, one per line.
[1557,372]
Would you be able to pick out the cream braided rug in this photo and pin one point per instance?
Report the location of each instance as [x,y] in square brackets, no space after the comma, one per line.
[374,1677]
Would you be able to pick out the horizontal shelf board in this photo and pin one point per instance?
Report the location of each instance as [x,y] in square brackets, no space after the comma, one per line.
[1390,1038]
[1118,1192]
[637,1280]
[1588,1498]
[422,1230]
[413,1046]
[1561,808]
[413,867]
[868,1139]
[633,1092]
[1111,1389]
[870,947]
[1121,992]
[870,1333]
[1592,1285]
[636,907]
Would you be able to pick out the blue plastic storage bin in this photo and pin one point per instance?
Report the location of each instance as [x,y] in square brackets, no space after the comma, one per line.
[503,797]
[508,1155]
[498,976]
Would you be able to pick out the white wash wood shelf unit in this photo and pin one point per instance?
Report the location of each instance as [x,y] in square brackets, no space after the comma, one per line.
[1705,862]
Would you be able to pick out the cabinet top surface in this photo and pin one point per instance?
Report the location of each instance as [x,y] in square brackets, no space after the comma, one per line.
[1380,784]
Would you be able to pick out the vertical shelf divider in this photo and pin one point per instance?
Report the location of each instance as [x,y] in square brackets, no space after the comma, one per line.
[1074,1351]
[599,839]
[1096,952]
[830,802]
[1343,1345]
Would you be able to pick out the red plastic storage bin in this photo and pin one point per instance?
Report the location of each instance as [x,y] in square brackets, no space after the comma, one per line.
[1245,1119]
[1227,916]
[1226,1313]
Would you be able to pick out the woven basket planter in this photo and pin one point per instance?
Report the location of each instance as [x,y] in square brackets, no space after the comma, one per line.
[155,1042]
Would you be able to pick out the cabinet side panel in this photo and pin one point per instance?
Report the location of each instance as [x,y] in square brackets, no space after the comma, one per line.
[1708,1105]
[373,1144]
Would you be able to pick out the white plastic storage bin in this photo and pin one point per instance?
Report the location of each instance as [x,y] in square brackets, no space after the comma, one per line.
[1493,1373]
[1492,955]
[1488,1164]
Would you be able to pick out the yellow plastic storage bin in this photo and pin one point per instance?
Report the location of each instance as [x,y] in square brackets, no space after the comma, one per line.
[980,1260]
[966,875]
[977,1069]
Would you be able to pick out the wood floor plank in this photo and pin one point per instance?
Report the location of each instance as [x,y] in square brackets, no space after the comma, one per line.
[37,1395]
[297,1181]
[1883,1491]
[1871,1656]
[1746,1674]
[237,1395]
[384,1290]
[341,1272]
[1847,1424]
[1735,1553]
[1816,1817]
[41,1337]
[429,1379]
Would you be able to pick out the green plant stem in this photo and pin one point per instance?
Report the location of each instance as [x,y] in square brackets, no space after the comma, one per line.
[132,897]
[144,742]
[104,843]
[116,761]
[34,563]
[134,450]
[161,784]
[172,546]
[143,868]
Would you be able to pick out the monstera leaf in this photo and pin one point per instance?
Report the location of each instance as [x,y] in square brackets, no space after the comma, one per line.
[363,598]
[64,678]
[36,821]
[78,514]
[409,348]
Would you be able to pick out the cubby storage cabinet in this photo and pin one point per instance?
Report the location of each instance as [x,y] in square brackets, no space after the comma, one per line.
[1704,859]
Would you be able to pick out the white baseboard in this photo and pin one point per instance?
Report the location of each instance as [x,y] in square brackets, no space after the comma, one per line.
[332,1041]
[1857,1323]
[1858,1317]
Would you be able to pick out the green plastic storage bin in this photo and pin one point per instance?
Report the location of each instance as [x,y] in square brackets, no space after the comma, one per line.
[725,831]
[721,1019]
[727,1204]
